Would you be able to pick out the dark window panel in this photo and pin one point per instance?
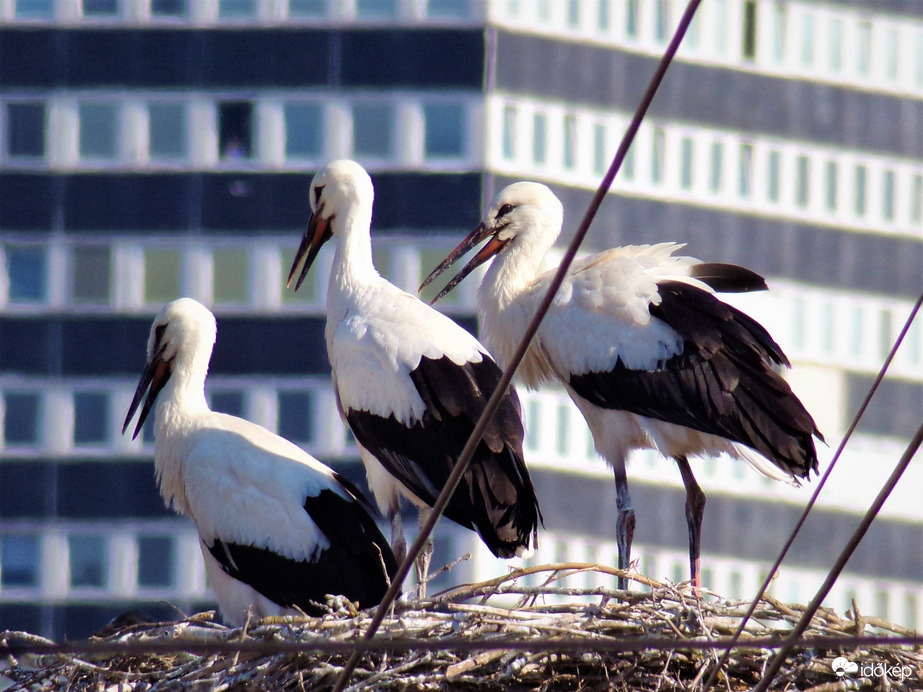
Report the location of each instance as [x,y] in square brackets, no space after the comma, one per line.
[29,346]
[27,489]
[230,402]
[26,129]
[110,489]
[146,202]
[21,420]
[29,201]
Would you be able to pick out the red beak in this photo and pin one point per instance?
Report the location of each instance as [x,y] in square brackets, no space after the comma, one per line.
[491,248]
[317,233]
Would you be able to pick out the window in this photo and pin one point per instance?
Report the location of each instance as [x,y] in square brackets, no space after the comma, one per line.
[34,9]
[563,441]
[91,415]
[631,18]
[544,11]
[835,45]
[570,142]
[779,27]
[714,177]
[25,134]
[686,153]
[230,276]
[773,175]
[19,561]
[91,280]
[87,559]
[864,49]
[98,130]
[745,172]
[236,9]
[509,132]
[830,185]
[373,127]
[379,9]
[720,26]
[307,8]
[161,275]
[802,181]
[920,58]
[100,8]
[155,561]
[916,200]
[600,155]
[807,40]
[533,417]
[662,21]
[892,50]
[887,195]
[657,156]
[295,416]
[539,138]
[628,164]
[573,14]
[167,131]
[447,9]
[227,401]
[169,8]
[603,20]
[304,129]
[21,419]
[26,270]
[856,330]
[748,49]
[859,193]
[444,134]
[235,130]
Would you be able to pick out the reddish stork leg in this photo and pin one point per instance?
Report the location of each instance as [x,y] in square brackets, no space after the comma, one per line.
[695,511]
[625,522]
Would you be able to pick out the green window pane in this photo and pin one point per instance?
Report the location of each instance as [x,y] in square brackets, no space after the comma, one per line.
[230,276]
[92,275]
[161,275]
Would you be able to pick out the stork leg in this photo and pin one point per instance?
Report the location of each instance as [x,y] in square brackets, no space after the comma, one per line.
[423,559]
[625,522]
[695,511]
[398,543]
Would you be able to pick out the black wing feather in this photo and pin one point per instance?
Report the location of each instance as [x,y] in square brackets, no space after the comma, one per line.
[495,496]
[358,563]
[724,382]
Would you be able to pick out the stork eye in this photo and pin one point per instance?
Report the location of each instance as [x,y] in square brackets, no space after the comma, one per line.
[504,210]
[317,193]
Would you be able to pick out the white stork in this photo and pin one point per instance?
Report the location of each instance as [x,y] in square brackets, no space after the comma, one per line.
[645,350]
[411,384]
[278,530]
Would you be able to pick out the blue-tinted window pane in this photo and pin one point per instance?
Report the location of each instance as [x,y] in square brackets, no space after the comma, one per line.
[445,124]
[373,125]
[92,275]
[98,136]
[168,8]
[87,561]
[232,9]
[155,561]
[21,424]
[19,561]
[91,415]
[97,8]
[26,268]
[228,402]
[295,416]
[303,130]
[26,129]
[376,8]
[167,130]
[307,8]
[448,9]
[34,9]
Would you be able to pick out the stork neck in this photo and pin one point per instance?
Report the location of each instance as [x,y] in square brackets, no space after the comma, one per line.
[353,267]
[509,275]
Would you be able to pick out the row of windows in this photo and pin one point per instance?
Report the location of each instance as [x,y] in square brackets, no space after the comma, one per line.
[831,42]
[163,131]
[230,275]
[156,561]
[86,419]
[734,579]
[238,11]
[850,189]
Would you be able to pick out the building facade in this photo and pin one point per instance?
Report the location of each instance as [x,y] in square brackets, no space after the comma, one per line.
[151,149]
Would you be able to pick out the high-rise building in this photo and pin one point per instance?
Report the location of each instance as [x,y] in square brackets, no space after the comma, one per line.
[151,149]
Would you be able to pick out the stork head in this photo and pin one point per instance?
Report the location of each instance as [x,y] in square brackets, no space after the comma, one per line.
[182,337]
[524,216]
[338,189]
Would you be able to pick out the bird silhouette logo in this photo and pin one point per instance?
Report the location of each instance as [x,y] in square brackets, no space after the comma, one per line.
[841,666]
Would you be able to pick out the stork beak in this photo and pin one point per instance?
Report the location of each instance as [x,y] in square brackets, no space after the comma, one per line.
[491,248]
[156,374]
[317,233]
